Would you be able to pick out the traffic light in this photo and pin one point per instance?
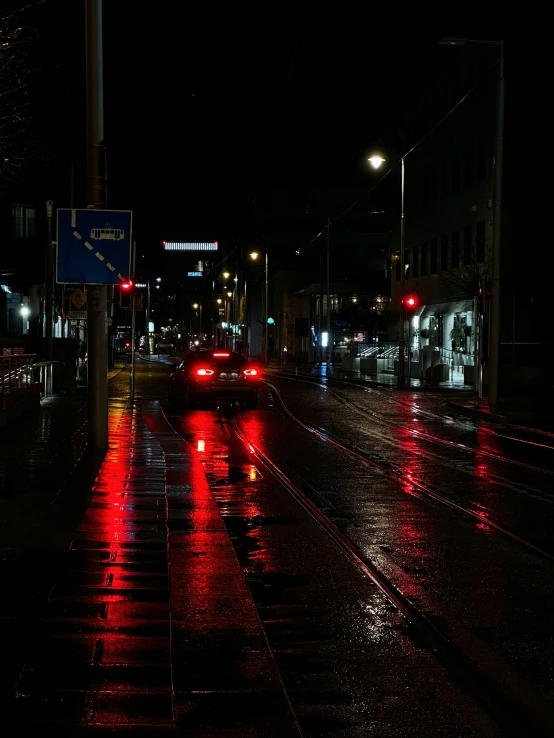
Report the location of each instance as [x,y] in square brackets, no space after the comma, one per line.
[409,303]
[126,294]
[480,301]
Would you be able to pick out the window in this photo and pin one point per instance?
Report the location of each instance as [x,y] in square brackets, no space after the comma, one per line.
[23,221]
[480,241]
[456,174]
[415,260]
[424,259]
[455,249]
[444,253]
[469,174]
[481,161]
[397,266]
[434,263]
[468,245]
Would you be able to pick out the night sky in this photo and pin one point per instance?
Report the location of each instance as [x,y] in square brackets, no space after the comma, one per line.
[210,108]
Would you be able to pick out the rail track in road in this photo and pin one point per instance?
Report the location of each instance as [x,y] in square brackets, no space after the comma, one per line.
[516,714]
[389,396]
[439,441]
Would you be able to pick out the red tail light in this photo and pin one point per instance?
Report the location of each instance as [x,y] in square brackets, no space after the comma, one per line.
[204,372]
[251,372]
[222,356]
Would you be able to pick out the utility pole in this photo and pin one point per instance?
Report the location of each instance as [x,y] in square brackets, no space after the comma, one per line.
[494,343]
[49,302]
[320,316]
[133,322]
[97,295]
[266,305]
[329,342]
[401,375]
[148,317]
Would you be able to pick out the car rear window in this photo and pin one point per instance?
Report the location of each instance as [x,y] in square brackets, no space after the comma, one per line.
[223,357]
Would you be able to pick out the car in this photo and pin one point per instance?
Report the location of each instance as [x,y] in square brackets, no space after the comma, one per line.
[218,375]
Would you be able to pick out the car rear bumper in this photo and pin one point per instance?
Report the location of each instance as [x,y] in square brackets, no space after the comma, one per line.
[228,391]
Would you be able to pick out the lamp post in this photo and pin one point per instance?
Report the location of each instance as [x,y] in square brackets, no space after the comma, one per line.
[198,307]
[494,326]
[254,256]
[148,311]
[376,160]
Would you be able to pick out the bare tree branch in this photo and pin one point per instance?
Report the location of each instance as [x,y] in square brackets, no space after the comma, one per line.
[15,148]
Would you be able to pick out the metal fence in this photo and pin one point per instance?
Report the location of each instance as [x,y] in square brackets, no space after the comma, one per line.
[17,379]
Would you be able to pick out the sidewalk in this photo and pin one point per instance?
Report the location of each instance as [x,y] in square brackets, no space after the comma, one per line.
[136,619]
[532,412]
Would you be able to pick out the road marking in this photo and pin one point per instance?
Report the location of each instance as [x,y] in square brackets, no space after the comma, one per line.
[99,256]
[110,267]
[121,276]
[73,218]
[89,247]
[77,235]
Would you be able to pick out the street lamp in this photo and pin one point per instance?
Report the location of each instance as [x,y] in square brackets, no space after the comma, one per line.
[197,306]
[254,256]
[494,328]
[148,311]
[376,160]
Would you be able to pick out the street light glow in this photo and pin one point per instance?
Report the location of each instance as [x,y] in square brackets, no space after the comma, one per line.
[376,160]
[25,311]
[229,294]
[219,300]
[254,255]
[195,306]
[158,279]
[226,275]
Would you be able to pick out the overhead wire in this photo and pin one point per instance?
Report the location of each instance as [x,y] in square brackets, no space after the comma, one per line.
[399,160]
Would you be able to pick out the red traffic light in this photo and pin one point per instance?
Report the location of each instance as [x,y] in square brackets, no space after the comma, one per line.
[410,302]
[126,285]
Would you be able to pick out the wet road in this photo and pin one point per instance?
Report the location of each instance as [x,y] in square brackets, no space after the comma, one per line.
[454,513]
[391,575]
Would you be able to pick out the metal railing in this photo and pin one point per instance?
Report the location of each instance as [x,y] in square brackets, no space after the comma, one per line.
[17,379]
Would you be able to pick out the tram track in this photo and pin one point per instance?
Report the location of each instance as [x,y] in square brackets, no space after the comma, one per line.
[411,482]
[516,714]
[431,438]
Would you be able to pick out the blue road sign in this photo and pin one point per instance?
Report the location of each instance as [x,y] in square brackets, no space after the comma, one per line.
[94,246]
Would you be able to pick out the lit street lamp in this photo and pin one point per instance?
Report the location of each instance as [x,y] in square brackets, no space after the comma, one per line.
[254,256]
[494,328]
[376,160]
[148,311]
[197,306]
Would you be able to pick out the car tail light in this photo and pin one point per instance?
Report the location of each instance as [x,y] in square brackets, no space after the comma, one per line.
[204,372]
[251,372]
[222,356]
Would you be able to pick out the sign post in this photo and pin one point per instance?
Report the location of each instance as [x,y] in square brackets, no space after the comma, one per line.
[94,249]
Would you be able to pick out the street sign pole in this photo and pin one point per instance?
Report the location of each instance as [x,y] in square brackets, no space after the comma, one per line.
[133,324]
[97,294]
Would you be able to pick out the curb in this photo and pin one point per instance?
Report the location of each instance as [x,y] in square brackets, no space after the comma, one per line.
[472,412]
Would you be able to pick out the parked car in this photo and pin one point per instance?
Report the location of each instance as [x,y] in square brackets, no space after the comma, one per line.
[205,376]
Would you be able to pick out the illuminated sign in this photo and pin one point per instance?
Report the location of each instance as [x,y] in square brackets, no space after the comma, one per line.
[186,246]
[194,274]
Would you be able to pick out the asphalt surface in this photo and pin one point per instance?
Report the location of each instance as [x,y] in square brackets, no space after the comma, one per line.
[184,588]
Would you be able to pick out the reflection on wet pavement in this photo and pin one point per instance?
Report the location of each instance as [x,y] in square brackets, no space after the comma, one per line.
[347,657]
